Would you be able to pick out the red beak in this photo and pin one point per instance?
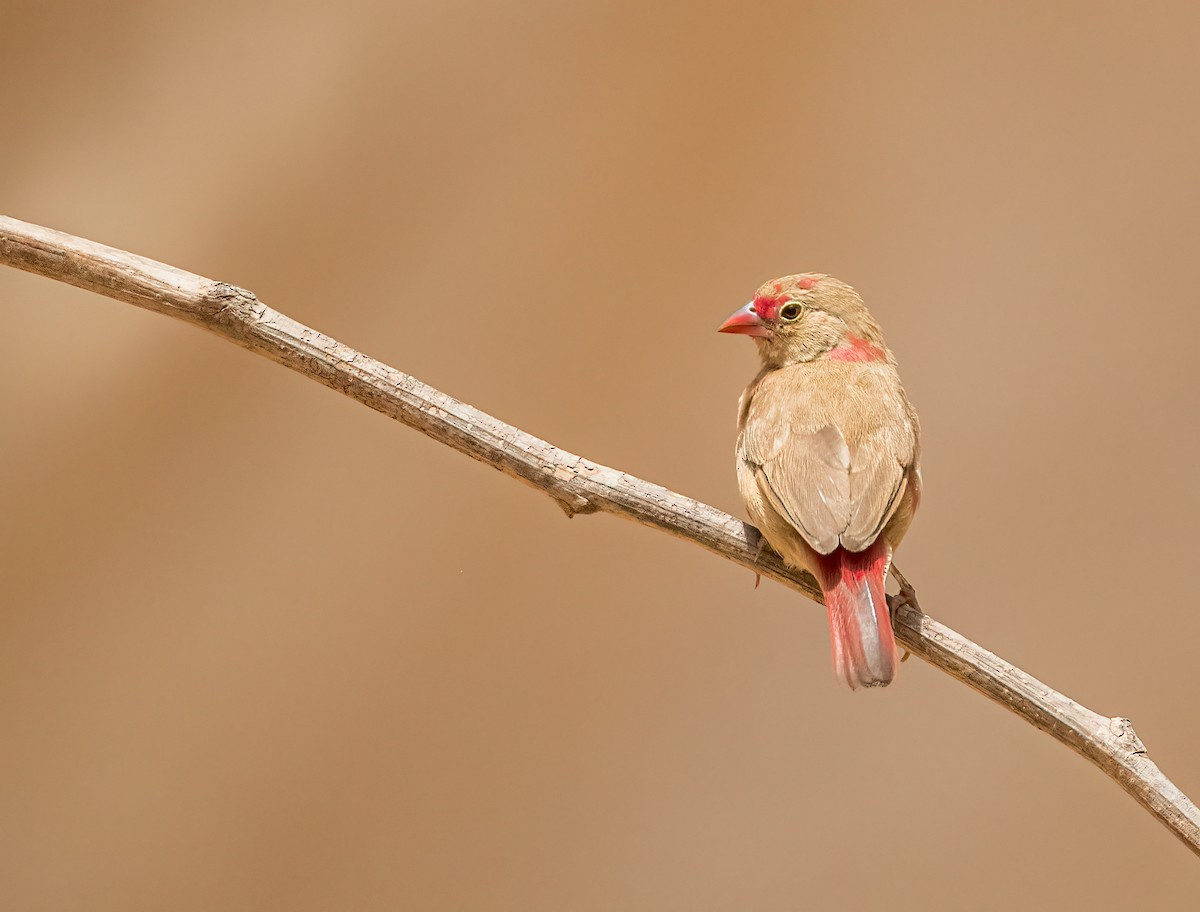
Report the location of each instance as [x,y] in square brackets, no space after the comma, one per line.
[745,322]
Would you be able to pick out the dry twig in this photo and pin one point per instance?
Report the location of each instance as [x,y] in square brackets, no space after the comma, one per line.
[578,485]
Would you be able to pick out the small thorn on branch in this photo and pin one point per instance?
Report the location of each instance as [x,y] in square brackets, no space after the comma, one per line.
[574,505]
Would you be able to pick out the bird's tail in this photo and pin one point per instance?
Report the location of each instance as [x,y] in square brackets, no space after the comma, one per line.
[864,647]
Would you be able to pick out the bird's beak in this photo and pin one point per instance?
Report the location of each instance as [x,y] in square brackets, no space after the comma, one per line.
[746,322]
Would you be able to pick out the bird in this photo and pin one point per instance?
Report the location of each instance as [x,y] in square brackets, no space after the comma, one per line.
[828,456]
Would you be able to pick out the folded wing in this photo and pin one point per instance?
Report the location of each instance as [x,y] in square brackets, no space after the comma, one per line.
[832,461]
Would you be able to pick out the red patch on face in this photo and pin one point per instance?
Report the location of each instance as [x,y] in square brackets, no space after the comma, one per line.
[778,286]
[856,349]
[807,282]
[767,306]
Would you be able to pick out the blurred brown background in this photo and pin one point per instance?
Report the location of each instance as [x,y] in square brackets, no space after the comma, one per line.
[261,648]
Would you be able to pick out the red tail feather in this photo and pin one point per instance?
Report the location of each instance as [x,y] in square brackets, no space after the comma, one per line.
[864,647]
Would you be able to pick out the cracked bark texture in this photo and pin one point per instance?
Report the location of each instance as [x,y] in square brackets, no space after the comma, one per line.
[577,484]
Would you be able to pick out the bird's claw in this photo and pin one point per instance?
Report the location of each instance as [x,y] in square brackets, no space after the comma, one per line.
[906,597]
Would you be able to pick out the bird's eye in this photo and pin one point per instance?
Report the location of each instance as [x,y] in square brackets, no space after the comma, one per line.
[791,312]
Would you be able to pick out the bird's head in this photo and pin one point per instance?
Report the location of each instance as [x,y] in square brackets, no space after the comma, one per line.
[807,316]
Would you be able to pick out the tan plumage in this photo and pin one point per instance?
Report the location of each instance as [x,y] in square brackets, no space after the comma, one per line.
[828,455]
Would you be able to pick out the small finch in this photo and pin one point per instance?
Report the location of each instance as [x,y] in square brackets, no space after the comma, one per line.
[828,456]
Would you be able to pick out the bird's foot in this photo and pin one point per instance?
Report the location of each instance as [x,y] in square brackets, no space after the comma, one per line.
[760,545]
[905,598]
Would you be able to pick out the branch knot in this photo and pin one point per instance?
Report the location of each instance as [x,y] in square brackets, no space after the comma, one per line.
[1126,737]
[224,300]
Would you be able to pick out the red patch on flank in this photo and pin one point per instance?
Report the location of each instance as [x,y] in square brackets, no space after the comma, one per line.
[766,306]
[856,349]
[807,282]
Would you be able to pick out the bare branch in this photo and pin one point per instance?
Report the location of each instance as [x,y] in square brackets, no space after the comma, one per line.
[577,484]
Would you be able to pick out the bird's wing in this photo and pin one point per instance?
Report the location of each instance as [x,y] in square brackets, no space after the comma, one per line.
[829,457]
[877,483]
[807,481]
